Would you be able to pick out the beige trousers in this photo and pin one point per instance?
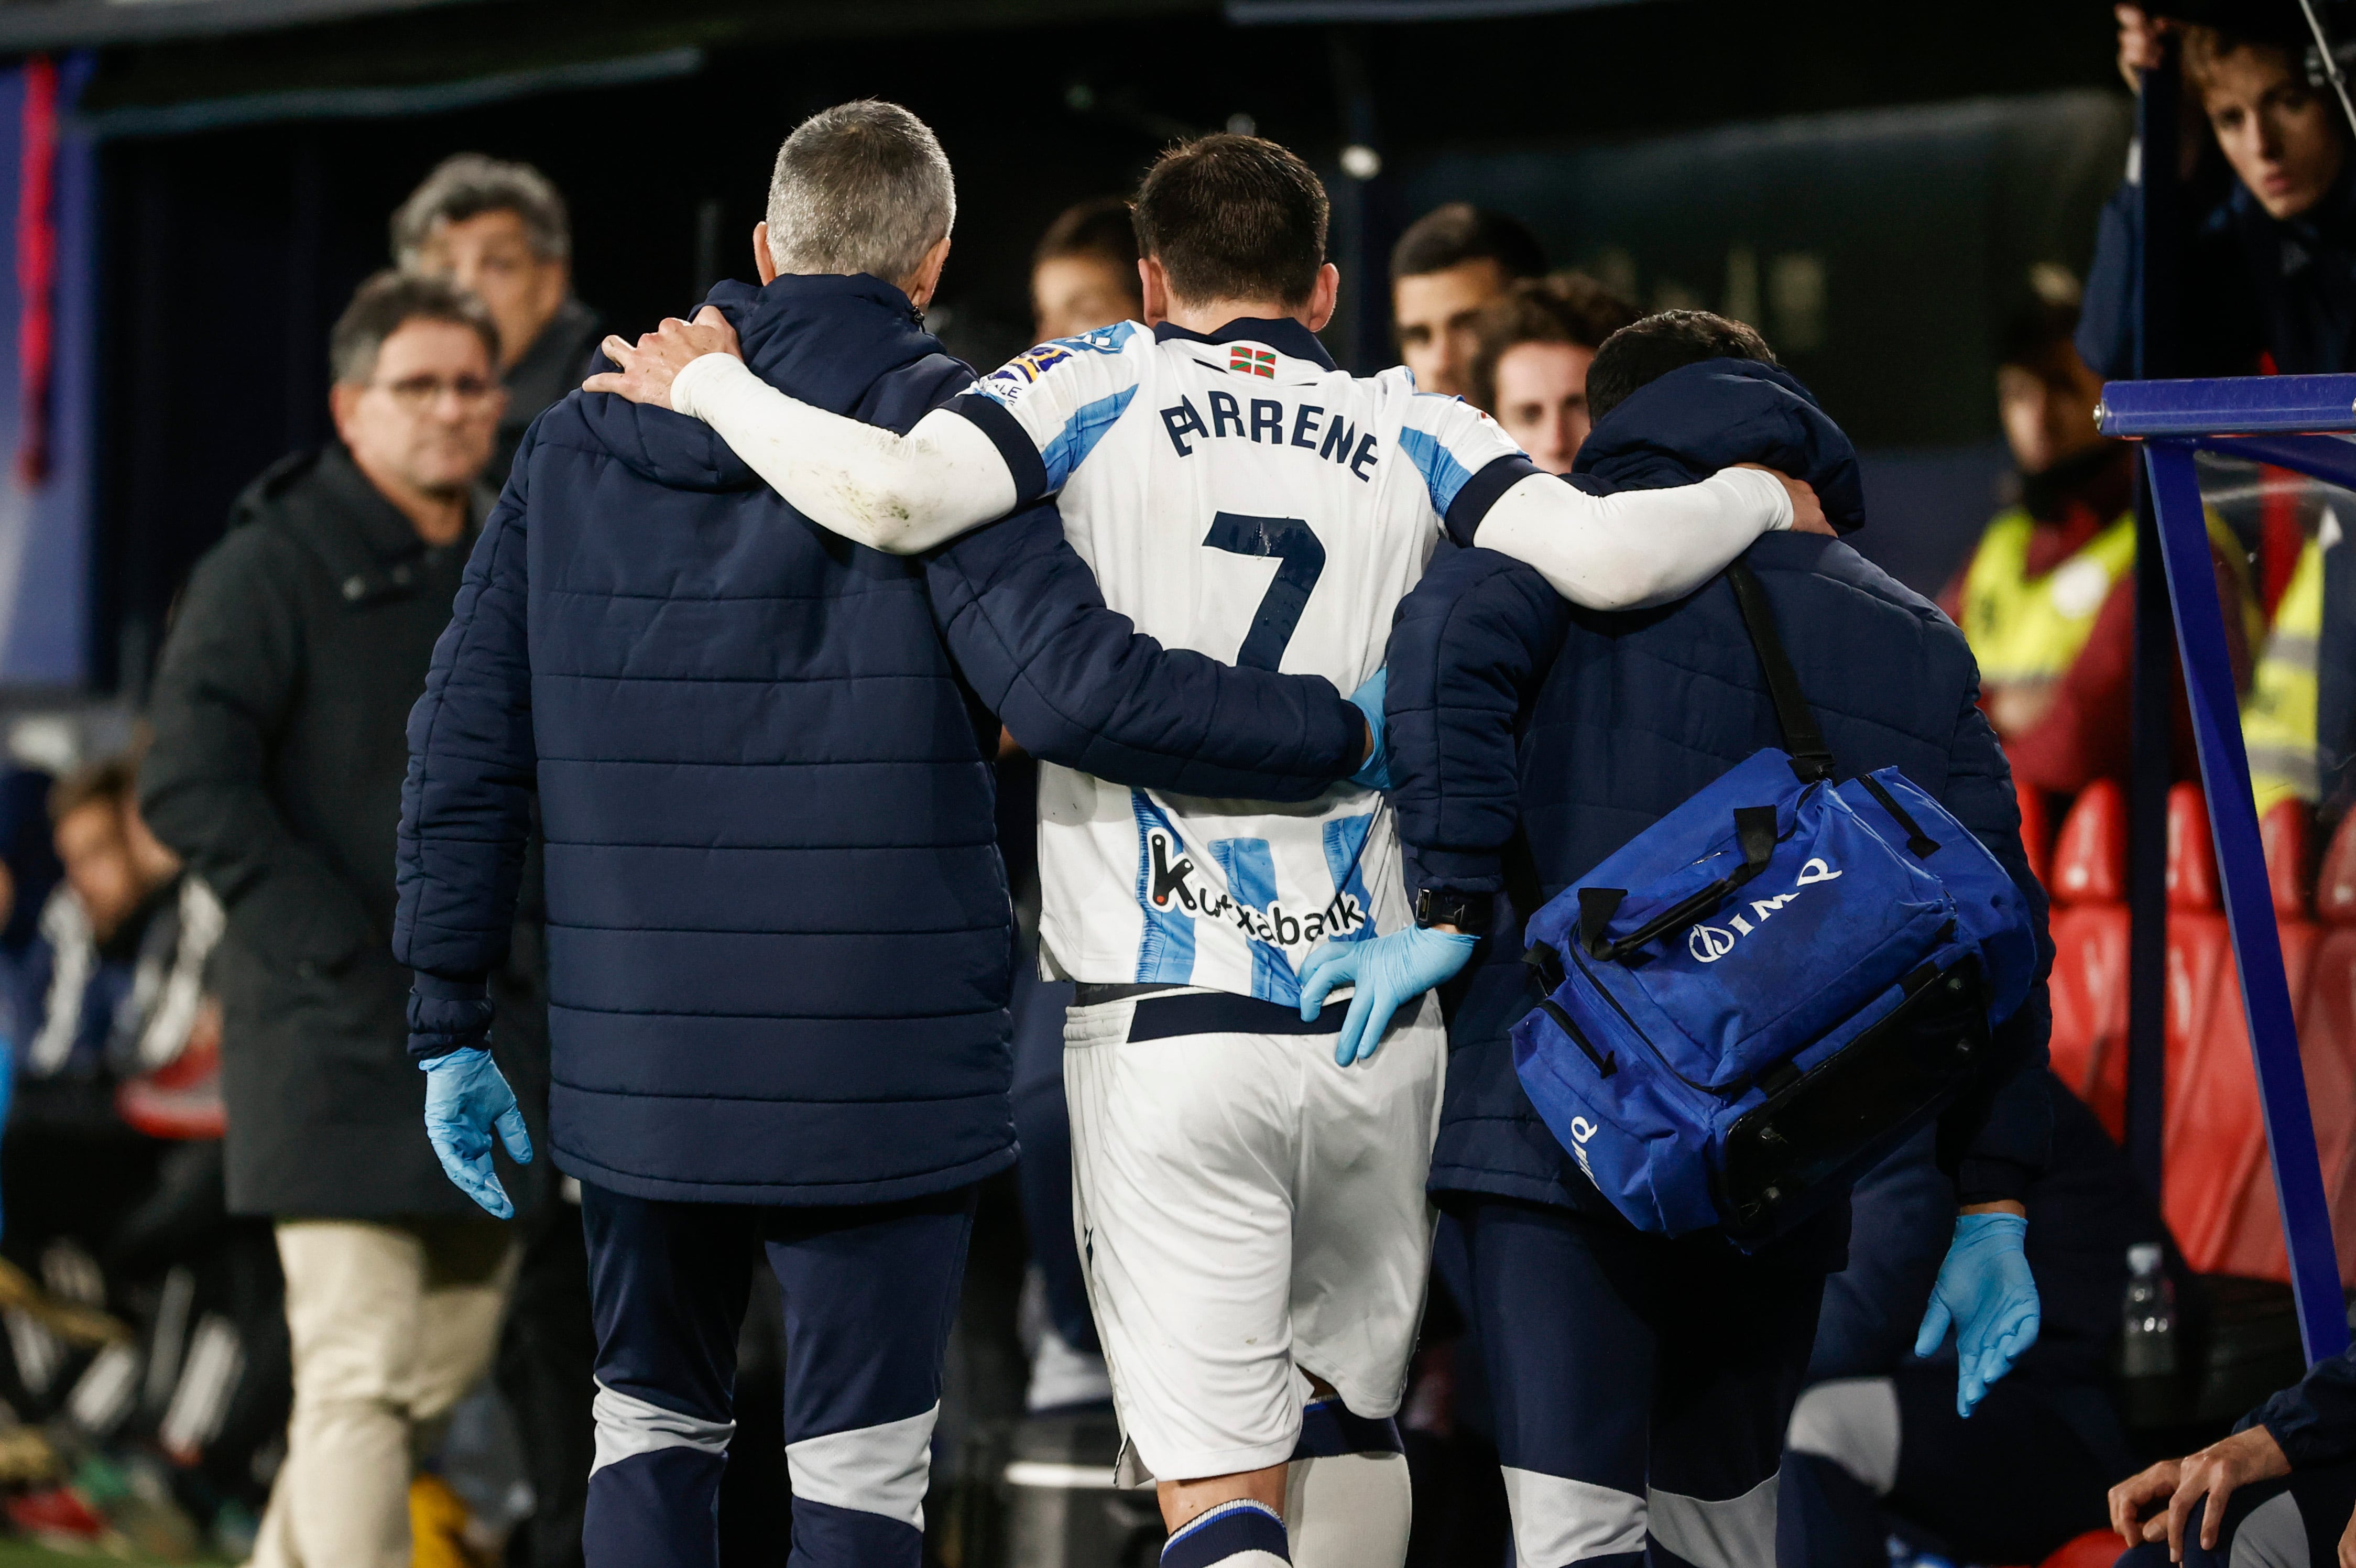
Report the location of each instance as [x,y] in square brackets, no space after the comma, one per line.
[392,1323]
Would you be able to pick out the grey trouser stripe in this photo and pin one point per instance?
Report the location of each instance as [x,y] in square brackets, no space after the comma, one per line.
[1853,1422]
[2274,1536]
[873,1469]
[628,1426]
[1558,1521]
[1738,1532]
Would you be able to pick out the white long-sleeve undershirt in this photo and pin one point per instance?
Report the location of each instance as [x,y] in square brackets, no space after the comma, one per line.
[1625,552]
[904,494]
[899,494]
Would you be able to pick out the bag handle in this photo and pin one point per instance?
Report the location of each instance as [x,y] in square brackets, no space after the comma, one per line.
[1812,759]
[1754,832]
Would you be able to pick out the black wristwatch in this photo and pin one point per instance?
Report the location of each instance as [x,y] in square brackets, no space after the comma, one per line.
[1468,912]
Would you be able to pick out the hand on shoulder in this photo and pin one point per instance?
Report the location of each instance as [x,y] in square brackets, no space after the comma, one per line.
[647,372]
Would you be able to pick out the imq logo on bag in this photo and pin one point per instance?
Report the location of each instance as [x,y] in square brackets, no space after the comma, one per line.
[1581,1129]
[1709,943]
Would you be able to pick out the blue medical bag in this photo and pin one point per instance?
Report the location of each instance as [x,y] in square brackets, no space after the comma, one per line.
[1763,993]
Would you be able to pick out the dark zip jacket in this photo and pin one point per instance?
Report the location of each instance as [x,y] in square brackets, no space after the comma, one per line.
[1531,739]
[779,933]
[294,657]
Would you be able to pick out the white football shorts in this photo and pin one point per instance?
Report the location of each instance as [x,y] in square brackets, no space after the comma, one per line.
[1247,1212]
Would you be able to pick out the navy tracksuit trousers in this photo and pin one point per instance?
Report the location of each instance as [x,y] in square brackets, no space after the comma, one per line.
[1641,1385]
[870,1294]
[2050,1449]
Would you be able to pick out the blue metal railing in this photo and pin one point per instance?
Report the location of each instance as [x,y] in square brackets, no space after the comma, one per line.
[2287,421]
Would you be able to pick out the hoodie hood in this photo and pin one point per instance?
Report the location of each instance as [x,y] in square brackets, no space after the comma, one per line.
[1699,418]
[825,340]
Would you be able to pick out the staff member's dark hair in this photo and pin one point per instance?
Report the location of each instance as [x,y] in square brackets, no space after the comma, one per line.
[1234,216]
[1569,307]
[1101,229]
[1459,232]
[1646,350]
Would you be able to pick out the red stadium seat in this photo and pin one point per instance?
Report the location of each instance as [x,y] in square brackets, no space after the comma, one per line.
[2214,1135]
[2088,882]
[2245,1238]
[2095,1549]
[2288,832]
[2325,1003]
[2036,830]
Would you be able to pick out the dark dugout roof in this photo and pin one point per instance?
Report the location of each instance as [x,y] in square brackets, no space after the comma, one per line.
[1252,11]
[30,25]
[167,66]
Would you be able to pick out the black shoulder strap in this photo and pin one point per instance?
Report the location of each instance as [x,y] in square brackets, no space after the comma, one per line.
[1811,758]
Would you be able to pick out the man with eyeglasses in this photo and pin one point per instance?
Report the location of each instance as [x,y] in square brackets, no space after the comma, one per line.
[281,710]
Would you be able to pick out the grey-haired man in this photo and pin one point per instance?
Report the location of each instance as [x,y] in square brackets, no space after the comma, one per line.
[501,231]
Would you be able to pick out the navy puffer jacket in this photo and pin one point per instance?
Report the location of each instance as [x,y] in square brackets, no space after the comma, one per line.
[779,932]
[1531,739]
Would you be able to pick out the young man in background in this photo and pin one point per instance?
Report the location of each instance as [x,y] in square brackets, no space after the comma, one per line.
[1529,370]
[1084,274]
[1451,262]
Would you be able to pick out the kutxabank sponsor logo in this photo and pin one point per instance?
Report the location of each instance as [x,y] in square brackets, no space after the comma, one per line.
[1173,885]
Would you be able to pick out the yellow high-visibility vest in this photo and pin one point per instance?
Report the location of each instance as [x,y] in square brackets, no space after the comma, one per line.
[2024,630]
[2278,716]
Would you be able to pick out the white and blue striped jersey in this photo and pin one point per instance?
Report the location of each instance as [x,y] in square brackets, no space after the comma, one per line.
[1239,496]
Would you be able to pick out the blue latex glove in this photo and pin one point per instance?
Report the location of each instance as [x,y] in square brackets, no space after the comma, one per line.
[1986,1292]
[1387,973]
[465,1097]
[1375,773]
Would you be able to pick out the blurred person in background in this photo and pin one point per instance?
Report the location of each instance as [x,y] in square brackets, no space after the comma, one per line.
[113,1173]
[1530,368]
[1084,274]
[2268,252]
[113,989]
[2266,281]
[280,710]
[1451,262]
[499,230]
[1875,1440]
[2046,598]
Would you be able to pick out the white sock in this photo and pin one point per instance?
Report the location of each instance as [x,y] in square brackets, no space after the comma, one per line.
[1240,1534]
[1346,1498]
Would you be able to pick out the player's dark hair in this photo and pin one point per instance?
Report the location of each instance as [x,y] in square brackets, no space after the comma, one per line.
[1459,232]
[1568,307]
[1101,230]
[1232,217]
[1645,350]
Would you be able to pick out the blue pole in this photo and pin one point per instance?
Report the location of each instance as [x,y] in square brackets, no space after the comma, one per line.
[2249,904]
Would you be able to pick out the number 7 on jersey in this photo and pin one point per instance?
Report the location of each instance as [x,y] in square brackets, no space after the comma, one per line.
[1301,560]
